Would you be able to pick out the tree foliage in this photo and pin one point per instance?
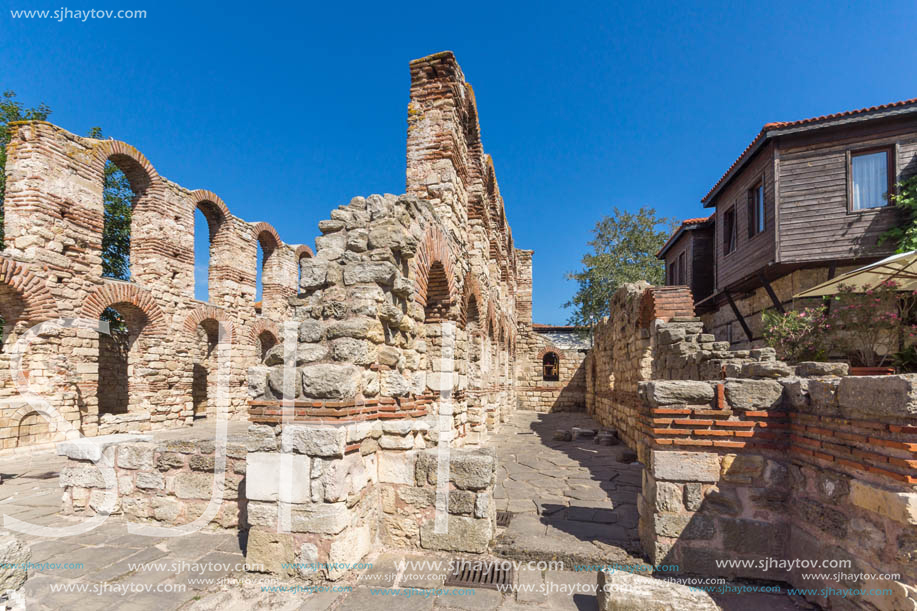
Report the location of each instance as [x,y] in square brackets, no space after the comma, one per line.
[623,250]
[12,110]
[116,236]
[904,235]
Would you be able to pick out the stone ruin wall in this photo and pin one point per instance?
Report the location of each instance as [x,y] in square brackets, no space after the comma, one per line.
[52,268]
[402,335]
[750,458]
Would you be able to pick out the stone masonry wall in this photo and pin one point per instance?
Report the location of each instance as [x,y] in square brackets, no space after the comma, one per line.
[52,267]
[753,459]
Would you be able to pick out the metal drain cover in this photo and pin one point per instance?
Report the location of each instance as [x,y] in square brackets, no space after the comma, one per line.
[503,518]
[489,574]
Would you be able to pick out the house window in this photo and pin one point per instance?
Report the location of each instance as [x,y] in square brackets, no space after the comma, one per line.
[681,269]
[870,177]
[756,209]
[729,230]
[550,367]
[671,271]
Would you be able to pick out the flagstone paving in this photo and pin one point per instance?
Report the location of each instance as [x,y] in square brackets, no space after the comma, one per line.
[573,501]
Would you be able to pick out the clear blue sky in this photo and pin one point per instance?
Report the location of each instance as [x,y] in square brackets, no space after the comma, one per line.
[288,112]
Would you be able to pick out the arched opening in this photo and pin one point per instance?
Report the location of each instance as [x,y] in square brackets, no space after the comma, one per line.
[266,341]
[264,276]
[12,311]
[125,181]
[437,303]
[203,363]
[303,254]
[119,356]
[33,428]
[550,367]
[207,223]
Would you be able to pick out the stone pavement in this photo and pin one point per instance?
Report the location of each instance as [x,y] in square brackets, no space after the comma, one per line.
[573,500]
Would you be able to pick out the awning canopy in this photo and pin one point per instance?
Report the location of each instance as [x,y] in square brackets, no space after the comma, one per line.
[900,268]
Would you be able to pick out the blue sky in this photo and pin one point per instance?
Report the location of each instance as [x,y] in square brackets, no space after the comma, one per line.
[288,112]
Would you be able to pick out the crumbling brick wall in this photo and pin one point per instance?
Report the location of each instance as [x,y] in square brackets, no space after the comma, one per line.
[52,268]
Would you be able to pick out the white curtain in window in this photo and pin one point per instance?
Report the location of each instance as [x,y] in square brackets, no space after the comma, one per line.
[870,180]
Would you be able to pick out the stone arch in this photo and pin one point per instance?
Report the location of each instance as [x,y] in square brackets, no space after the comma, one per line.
[433,249]
[203,313]
[269,241]
[267,235]
[549,359]
[112,293]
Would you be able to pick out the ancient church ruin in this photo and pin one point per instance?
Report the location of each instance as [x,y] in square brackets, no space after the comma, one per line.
[396,348]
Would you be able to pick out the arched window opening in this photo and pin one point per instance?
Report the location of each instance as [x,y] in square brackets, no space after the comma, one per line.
[118,356]
[207,222]
[550,367]
[266,341]
[12,310]
[204,362]
[437,306]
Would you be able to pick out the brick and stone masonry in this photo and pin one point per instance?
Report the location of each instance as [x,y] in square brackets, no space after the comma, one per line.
[749,458]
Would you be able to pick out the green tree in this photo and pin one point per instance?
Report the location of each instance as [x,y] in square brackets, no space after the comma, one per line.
[116,236]
[623,250]
[12,110]
[904,235]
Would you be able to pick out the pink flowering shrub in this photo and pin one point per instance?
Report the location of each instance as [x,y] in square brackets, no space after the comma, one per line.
[797,335]
[872,325]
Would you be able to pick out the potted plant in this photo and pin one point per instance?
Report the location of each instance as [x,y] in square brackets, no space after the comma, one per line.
[871,325]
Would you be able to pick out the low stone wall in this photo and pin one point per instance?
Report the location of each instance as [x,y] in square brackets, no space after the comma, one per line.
[170,482]
[749,458]
[355,485]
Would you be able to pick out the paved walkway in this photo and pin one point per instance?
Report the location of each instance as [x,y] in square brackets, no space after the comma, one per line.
[573,501]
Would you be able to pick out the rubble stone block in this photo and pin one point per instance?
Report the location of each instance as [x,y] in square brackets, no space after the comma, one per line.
[895,505]
[14,557]
[865,396]
[263,472]
[685,466]
[753,394]
[462,534]
[314,440]
[813,369]
[627,591]
[766,369]
[677,392]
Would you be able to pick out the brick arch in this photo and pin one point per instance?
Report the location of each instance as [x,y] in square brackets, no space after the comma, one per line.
[303,251]
[39,303]
[259,327]
[203,313]
[265,230]
[113,293]
[471,289]
[201,196]
[434,248]
[548,349]
[137,168]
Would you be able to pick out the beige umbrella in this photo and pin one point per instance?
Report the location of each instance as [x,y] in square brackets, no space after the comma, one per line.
[900,268]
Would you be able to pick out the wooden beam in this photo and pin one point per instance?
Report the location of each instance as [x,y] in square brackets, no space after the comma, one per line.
[771,293]
[739,317]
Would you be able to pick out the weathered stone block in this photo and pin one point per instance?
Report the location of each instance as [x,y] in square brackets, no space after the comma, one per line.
[263,478]
[269,552]
[766,369]
[14,557]
[813,369]
[314,440]
[752,537]
[397,467]
[895,505]
[348,549]
[136,455]
[150,480]
[329,381]
[626,591]
[677,392]
[742,468]
[193,485]
[753,394]
[322,518]
[83,476]
[685,526]
[685,466]
[381,272]
[462,534]
[865,396]
[261,438]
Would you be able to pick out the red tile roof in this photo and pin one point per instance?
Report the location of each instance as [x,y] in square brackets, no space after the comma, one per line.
[784,124]
[685,223]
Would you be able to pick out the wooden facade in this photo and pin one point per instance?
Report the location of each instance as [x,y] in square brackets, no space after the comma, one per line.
[689,257]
